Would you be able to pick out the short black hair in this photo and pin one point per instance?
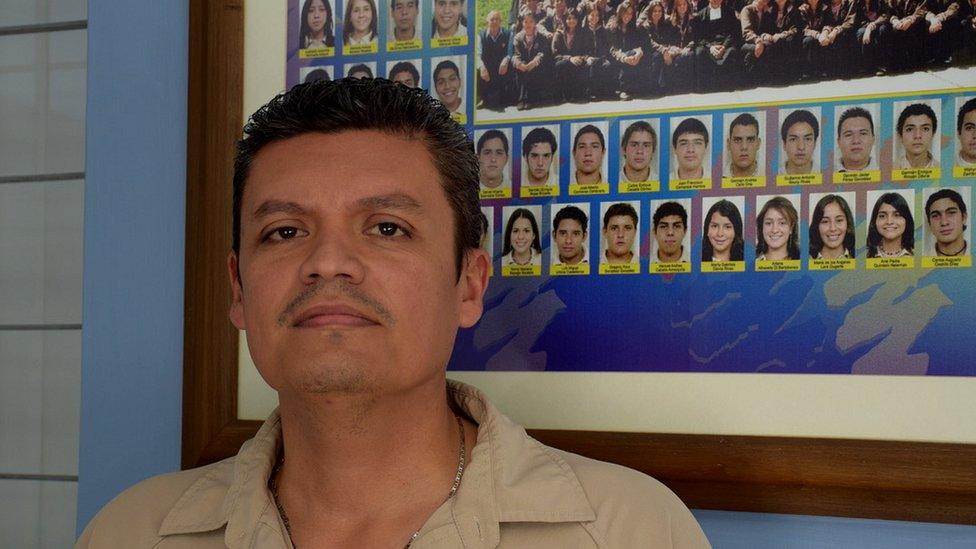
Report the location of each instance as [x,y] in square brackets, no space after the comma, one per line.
[570,212]
[744,119]
[951,194]
[445,65]
[967,107]
[589,128]
[405,66]
[360,67]
[492,134]
[671,208]
[381,105]
[393,4]
[536,136]
[688,125]
[854,112]
[620,208]
[917,109]
[639,126]
[795,117]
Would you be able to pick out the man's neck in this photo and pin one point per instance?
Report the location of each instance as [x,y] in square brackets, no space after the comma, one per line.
[793,169]
[672,257]
[637,175]
[494,33]
[952,248]
[408,34]
[748,171]
[918,160]
[492,182]
[538,182]
[614,258]
[572,260]
[855,167]
[966,157]
[696,173]
[588,178]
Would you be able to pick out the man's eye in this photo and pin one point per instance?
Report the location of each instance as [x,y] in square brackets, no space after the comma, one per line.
[389,229]
[282,233]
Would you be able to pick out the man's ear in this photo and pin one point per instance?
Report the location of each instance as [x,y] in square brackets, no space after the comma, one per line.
[471,287]
[237,293]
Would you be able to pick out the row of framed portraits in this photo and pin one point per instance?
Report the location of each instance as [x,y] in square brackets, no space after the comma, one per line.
[746,149]
[775,232]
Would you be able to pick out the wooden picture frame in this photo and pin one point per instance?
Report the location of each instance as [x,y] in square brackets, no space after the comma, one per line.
[929,482]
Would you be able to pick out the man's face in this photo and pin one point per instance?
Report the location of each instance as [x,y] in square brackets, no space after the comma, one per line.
[528,23]
[447,84]
[639,150]
[539,161]
[405,15]
[588,153]
[916,134]
[447,14]
[743,145]
[494,22]
[721,233]
[405,78]
[669,232]
[347,275]
[799,145]
[492,159]
[569,239]
[946,221]
[690,151]
[619,234]
[856,140]
[967,136]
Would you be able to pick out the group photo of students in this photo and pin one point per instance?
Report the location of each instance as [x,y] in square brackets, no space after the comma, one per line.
[538,53]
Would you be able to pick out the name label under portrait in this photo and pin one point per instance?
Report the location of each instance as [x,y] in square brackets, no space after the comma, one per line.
[723,266]
[916,173]
[563,269]
[701,184]
[947,262]
[906,262]
[869,176]
[768,265]
[675,267]
[589,188]
[535,191]
[789,180]
[638,186]
[754,182]
[838,264]
[619,268]
[521,270]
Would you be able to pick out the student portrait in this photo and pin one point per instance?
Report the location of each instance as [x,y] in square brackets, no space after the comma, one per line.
[800,141]
[570,234]
[690,158]
[831,226]
[916,140]
[316,25]
[947,232]
[966,132]
[361,70]
[672,239]
[404,23]
[493,148]
[722,236]
[638,150]
[778,228]
[744,154]
[589,153]
[891,225]
[857,141]
[315,73]
[521,238]
[449,20]
[406,73]
[359,24]
[446,79]
[620,239]
[540,159]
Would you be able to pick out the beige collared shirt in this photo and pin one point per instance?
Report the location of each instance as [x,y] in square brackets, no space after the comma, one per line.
[515,493]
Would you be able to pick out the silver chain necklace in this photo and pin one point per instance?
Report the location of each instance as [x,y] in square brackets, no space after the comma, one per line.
[273,483]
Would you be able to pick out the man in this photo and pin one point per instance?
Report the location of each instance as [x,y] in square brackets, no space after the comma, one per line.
[689,142]
[743,145]
[966,131]
[619,230]
[855,139]
[771,34]
[448,85]
[670,224]
[492,158]
[589,147]
[553,20]
[533,55]
[538,149]
[447,19]
[403,20]
[945,211]
[639,146]
[916,128]
[494,57]
[800,132]
[351,284]
[405,73]
[569,232]
[717,30]
[909,33]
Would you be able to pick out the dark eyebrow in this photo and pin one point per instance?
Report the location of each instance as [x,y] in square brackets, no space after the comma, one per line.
[278,206]
[389,202]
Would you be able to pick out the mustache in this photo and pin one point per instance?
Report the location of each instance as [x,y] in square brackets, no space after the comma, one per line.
[339,288]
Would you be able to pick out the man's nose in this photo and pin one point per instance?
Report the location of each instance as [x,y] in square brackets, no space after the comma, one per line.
[332,256]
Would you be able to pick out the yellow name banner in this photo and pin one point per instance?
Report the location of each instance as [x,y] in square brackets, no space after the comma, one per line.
[690,184]
[723,266]
[789,180]
[449,41]
[459,117]
[638,186]
[907,262]
[521,270]
[563,269]
[619,268]
[589,188]
[869,176]
[310,53]
[535,191]
[838,264]
[947,262]
[405,45]
[964,171]
[744,182]
[916,173]
[768,265]
[671,267]
[356,49]
[485,193]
